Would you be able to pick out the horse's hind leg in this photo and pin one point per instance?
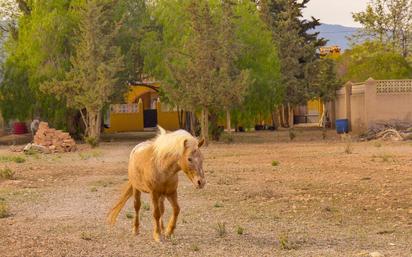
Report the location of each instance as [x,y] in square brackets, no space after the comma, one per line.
[136,194]
[162,211]
[157,236]
[176,209]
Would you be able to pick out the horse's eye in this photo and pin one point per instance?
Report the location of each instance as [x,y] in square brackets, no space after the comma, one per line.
[190,159]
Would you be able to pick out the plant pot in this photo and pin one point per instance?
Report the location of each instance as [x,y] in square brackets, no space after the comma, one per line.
[19,128]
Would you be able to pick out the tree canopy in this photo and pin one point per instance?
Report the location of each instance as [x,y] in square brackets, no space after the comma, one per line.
[372,59]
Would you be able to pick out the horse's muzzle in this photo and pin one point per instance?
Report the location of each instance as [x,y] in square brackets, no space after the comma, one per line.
[199,183]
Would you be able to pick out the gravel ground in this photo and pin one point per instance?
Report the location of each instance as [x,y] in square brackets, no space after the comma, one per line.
[315,200]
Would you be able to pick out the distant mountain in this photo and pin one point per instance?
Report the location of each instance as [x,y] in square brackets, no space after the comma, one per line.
[336,34]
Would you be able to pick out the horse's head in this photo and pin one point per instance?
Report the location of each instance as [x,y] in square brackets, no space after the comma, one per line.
[192,162]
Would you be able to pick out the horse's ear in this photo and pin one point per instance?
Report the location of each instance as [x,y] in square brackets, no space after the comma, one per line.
[201,142]
[162,131]
[186,143]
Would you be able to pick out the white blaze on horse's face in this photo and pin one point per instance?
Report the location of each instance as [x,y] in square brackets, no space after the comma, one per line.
[192,164]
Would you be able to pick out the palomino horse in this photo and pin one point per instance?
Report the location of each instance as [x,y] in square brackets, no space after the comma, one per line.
[153,169]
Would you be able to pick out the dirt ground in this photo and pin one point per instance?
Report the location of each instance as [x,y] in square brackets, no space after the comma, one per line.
[266,196]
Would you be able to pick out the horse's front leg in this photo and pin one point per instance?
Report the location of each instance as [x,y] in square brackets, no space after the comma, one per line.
[156,217]
[172,198]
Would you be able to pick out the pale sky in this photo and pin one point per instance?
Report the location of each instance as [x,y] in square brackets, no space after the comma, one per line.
[335,11]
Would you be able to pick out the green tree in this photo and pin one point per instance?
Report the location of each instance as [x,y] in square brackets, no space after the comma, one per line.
[218,54]
[36,52]
[95,64]
[324,83]
[372,59]
[389,22]
[297,48]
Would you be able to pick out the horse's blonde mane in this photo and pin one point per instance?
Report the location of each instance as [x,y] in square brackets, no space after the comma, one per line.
[172,143]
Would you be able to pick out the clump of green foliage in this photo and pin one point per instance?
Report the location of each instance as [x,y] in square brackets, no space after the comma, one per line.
[221,229]
[7,173]
[92,141]
[275,163]
[292,134]
[347,139]
[240,230]
[16,159]
[4,211]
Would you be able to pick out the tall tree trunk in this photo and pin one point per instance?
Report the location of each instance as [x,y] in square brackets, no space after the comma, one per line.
[279,111]
[290,116]
[192,116]
[228,124]
[322,120]
[282,116]
[94,124]
[205,125]
[285,115]
[274,119]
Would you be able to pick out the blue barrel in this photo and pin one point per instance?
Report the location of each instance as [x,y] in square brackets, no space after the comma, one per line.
[342,126]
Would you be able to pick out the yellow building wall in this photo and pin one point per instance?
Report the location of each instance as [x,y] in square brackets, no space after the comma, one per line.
[168,120]
[126,122]
[315,106]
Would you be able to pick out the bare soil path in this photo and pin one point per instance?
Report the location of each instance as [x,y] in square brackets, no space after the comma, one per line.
[317,201]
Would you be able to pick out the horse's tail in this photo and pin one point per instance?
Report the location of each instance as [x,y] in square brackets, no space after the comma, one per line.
[127,193]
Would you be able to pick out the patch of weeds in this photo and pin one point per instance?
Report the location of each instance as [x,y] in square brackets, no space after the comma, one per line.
[16,159]
[292,134]
[285,243]
[6,173]
[377,144]
[275,163]
[92,141]
[195,248]
[347,139]
[218,205]
[4,210]
[102,183]
[240,230]
[173,240]
[89,155]
[228,138]
[330,209]
[86,236]
[224,181]
[221,229]
[93,189]
[383,157]
[129,215]
[31,152]
[146,206]
[324,133]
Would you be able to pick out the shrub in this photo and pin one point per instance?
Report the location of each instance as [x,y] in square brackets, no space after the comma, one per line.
[4,212]
[6,173]
[221,229]
[240,230]
[292,134]
[92,141]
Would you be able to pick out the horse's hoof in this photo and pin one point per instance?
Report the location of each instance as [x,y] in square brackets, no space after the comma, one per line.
[157,238]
